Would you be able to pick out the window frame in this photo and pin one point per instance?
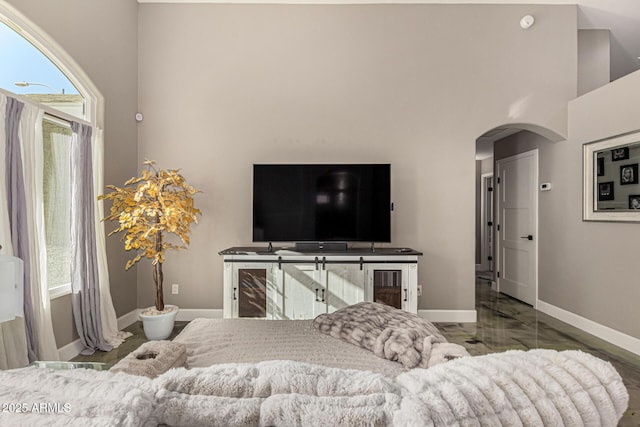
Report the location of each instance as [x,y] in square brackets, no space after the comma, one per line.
[93,99]
[65,288]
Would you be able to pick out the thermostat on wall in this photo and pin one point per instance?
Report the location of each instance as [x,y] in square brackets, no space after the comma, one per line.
[545,186]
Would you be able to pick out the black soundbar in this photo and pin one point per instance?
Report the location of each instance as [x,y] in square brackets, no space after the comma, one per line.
[321,246]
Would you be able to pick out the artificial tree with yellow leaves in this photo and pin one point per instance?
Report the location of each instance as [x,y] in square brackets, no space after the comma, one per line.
[147,207]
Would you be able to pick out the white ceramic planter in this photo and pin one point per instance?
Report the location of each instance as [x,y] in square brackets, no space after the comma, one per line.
[160,326]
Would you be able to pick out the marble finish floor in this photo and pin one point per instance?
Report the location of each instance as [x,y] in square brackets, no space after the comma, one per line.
[129,345]
[503,324]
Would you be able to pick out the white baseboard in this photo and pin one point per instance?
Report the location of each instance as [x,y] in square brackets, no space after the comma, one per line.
[455,316]
[70,350]
[128,319]
[606,333]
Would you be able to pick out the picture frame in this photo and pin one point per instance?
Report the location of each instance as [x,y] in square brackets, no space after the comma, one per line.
[599,203]
[629,174]
[600,166]
[605,191]
[619,153]
[634,202]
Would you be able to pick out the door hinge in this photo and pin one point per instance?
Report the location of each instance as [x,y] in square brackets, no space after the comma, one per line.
[498,180]
[498,227]
[489,258]
[490,223]
[490,189]
[498,274]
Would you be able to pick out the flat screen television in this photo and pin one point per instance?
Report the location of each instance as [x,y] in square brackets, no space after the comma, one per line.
[322,203]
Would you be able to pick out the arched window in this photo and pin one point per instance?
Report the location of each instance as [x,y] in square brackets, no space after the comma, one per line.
[53,56]
[38,71]
[27,71]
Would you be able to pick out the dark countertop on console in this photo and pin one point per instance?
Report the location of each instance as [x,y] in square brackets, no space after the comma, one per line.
[291,251]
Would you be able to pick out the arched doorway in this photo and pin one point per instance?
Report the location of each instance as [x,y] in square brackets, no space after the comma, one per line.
[507,211]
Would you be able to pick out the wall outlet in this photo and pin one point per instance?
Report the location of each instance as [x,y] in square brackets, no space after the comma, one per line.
[175,289]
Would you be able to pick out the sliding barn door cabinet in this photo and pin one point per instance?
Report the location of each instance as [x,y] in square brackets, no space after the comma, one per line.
[285,284]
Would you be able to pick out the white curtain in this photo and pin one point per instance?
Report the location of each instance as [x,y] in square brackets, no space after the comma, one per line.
[13,337]
[107,312]
[31,145]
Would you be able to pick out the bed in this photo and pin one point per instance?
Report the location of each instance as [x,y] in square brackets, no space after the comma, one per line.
[348,369]
[365,336]
[217,341]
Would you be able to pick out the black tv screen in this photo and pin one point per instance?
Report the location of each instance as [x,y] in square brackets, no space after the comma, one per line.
[322,203]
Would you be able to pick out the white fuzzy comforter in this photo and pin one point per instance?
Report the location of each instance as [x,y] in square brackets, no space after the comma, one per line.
[534,388]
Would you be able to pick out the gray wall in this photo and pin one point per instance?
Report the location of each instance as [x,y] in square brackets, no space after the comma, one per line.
[587,268]
[519,143]
[594,58]
[597,261]
[226,86]
[101,36]
[412,85]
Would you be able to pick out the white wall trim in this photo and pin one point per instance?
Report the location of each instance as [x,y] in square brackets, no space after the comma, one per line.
[456,316]
[606,333]
[70,350]
[128,319]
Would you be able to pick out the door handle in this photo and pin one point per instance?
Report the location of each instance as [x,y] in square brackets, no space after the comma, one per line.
[529,237]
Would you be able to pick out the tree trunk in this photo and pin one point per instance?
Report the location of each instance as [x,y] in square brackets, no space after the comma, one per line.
[158,277]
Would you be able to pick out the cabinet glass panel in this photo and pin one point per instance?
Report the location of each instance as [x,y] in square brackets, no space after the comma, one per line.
[387,287]
[252,292]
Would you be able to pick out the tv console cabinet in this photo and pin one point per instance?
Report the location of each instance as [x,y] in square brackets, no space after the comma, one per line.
[283,283]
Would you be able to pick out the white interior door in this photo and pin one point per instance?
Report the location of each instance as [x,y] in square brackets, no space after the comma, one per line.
[518,226]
